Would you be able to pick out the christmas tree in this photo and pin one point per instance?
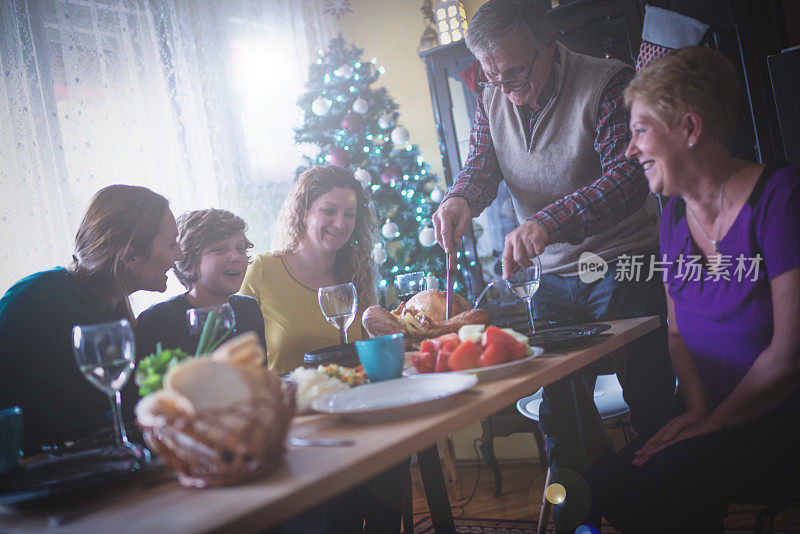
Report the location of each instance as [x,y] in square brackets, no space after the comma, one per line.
[349,123]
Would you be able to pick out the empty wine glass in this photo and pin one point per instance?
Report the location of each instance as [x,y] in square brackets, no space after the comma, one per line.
[524,283]
[223,322]
[105,356]
[338,304]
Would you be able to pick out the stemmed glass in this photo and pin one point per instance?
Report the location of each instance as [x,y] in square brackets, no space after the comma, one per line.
[105,355]
[524,283]
[224,321]
[339,304]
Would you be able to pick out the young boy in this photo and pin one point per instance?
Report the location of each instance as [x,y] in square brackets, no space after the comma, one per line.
[213,266]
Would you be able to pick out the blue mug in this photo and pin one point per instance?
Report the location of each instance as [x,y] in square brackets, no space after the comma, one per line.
[382,357]
[11,438]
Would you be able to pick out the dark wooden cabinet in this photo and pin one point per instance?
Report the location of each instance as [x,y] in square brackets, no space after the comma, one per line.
[746,31]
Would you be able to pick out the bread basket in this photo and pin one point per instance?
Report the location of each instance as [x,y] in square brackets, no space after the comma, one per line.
[226,446]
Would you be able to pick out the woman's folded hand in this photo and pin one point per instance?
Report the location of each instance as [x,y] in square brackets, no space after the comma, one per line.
[670,433]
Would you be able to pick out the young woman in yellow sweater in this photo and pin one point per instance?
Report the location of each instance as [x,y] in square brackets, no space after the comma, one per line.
[325,236]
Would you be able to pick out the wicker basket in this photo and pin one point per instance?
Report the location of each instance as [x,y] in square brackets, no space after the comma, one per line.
[224,447]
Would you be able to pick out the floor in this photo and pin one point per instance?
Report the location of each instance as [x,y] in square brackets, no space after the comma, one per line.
[523,483]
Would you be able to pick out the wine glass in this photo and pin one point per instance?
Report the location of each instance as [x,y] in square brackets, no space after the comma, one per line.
[338,304]
[524,283]
[224,321]
[105,356]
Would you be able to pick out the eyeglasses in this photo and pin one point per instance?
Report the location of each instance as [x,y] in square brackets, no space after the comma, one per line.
[514,83]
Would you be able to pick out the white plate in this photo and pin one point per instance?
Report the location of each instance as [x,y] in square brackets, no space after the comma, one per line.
[393,399]
[489,373]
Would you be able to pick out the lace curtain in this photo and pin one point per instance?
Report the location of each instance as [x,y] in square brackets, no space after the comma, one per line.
[195,100]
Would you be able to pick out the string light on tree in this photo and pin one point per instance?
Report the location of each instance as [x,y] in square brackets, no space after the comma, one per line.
[345,71]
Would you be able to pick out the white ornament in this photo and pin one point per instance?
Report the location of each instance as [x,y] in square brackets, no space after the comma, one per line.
[345,71]
[360,106]
[363,176]
[431,282]
[385,121]
[389,230]
[379,254]
[437,194]
[400,136]
[427,237]
[321,106]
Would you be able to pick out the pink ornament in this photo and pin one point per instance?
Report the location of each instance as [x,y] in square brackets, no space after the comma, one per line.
[339,157]
[391,172]
[352,122]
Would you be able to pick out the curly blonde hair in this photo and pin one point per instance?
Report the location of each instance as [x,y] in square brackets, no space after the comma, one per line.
[354,261]
[696,79]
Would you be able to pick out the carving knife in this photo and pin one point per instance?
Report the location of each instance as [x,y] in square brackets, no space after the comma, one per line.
[449,283]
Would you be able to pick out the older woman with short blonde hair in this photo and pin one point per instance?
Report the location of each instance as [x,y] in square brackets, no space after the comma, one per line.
[729,241]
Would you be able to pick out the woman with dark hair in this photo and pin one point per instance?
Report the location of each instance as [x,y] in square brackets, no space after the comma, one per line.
[325,238]
[125,243]
[212,269]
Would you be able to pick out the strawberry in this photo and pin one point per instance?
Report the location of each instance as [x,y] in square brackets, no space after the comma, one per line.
[465,356]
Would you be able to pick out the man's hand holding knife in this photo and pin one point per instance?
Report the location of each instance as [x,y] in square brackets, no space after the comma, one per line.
[521,245]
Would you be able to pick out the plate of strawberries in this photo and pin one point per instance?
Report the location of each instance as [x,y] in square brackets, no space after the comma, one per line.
[488,352]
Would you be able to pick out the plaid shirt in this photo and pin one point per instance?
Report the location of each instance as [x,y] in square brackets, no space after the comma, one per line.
[618,192]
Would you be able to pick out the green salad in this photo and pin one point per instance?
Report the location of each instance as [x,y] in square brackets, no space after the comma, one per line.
[151,369]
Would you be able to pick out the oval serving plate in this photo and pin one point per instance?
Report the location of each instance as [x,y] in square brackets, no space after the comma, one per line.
[488,373]
[397,398]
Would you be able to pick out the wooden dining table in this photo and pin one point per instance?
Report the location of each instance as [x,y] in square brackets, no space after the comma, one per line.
[312,475]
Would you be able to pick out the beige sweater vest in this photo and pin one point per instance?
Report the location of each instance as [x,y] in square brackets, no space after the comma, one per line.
[557,158]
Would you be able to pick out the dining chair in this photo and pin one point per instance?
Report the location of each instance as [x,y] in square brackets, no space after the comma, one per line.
[612,409]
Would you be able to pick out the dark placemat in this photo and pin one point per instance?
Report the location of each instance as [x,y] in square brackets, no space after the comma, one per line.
[339,354]
[566,338]
[70,474]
